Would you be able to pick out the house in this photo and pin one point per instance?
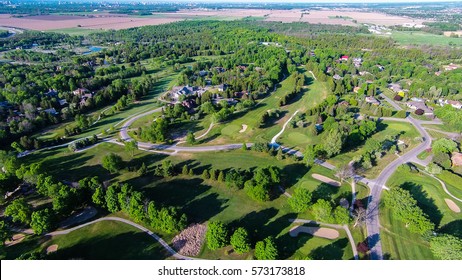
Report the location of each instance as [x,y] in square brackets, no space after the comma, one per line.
[51,111]
[337,77]
[344,103]
[381,68]
[357,61]
[51,93]
[364,73]
[62,102]
[450,67]
[416,105]
[220,69]
[455,104]
[456,159]
[356,89]
[395,87]
[182,90]
[189,104]
[80,91]
[222,87]
[344,58]
[203,73]
[416,99]
[241,94]
[242,67]
[372,100]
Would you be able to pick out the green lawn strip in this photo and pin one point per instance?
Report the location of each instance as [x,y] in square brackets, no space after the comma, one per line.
[423,155]
[422,38]
[452,183]
[76,31]
[398,243]
[106,240]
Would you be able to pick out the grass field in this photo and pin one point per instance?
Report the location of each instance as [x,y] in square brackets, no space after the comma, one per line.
[313,93]
[76,31]
[408,133]
[422,38]
[397,241]
[207,200]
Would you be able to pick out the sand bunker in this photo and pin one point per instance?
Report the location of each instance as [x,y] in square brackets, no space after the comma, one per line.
[326,180]
[244,128]
[189,242]
[15,239]
[51,249]
[452,205]
[315,231]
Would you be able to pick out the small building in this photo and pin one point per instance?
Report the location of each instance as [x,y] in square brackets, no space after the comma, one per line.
[451,67]
[416,99]
[51,111]
[62,102]
[356,89]
[337,77]
[222,87]
[344,58]
[372,100]
[395,87]
[419,105]
[203,73]
[455,104]
[51,93]
[80,91]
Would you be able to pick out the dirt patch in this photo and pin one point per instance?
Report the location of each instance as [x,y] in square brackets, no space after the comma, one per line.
[15,239]
[244,128]
[449,33]
[53,248]
[189,242]
[315,231]
[452,205]
[326,180]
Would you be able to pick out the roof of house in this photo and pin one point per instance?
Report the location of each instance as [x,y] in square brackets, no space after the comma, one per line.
[456,159]
[419,105]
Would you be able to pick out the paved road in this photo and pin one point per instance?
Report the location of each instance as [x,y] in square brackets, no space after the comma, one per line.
[372,214]
[124,129]
[150,233]
[273,140]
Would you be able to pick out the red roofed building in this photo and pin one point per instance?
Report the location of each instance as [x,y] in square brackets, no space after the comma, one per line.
[344,57]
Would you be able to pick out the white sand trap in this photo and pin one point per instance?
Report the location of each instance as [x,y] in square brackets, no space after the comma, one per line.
[326,180]
[15,239]
[452,205]
[244,128]
[315,231]
[51,249]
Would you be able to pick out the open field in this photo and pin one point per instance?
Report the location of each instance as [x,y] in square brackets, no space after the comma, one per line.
[95,21]
[52,22]
[204,200]
[422,38]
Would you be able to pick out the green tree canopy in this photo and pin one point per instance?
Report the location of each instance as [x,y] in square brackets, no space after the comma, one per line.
[446,247]
[216,235]
[266,249]
[112,162]
[300,200]
[19,210]
[240,240]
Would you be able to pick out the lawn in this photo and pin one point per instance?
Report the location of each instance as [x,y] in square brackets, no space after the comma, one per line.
[407,134]
[228,132]
[422,38]
[75,31]
[207,200]
[397,241]
[106,240]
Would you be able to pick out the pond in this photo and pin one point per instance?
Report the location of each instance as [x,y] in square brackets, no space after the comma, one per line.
[92,49]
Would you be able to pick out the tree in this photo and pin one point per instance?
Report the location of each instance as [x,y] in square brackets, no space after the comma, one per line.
[5,232]
[406,210]
[444,145]
[433,168]
[344,172]
[190,138]
[240,241]
[221,176]
[341,215]
[266,249]
[111,198]
[41,221]
[332,142]
[300,200]
[143,170]
[205,174]
[167,168]
[112,162]
[185,170]
[19,210]
[322,211]
[131,147]
[446,247]
[98,197]
[216,235]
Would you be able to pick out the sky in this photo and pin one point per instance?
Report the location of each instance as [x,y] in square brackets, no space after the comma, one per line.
[308,1]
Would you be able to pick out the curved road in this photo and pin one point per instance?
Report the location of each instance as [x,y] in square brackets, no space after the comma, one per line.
[150,233]
[372,212]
